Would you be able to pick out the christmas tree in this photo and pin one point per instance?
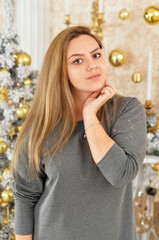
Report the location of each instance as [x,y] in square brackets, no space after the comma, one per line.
[17,85]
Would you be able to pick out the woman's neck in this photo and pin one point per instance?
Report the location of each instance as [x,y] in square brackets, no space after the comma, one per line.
[79,102]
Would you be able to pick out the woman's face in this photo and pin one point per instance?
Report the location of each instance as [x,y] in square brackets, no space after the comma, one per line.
[86,65]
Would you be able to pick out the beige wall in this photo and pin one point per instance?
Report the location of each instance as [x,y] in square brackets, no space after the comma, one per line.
[134,36]
[1,13]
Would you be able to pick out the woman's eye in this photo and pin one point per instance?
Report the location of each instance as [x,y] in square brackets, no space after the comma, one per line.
[77,61]
[97,55]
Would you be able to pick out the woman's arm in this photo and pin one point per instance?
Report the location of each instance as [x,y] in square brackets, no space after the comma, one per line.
[120,155]
[98,139]
[23,237]
[27,192]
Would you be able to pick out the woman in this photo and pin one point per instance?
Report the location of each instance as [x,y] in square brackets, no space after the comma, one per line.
[79,149]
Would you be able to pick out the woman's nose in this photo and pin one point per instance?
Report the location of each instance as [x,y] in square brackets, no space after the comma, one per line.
[92,65]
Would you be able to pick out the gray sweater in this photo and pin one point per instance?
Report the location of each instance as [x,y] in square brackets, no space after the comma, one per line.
[73,200]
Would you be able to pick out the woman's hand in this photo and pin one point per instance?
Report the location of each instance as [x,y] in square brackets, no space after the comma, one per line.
[97,99]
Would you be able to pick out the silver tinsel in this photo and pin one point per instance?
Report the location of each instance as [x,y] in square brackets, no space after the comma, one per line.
[11,93]
[22,72]
[9,152]
[9,113]
[8,44]
[4,129]
[151,120]
[153,143]
[8,27]
[17,94]
[5,79]
[3,105]
[152,138]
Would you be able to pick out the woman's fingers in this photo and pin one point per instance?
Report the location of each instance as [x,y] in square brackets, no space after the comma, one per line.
[108,89]
[112,87]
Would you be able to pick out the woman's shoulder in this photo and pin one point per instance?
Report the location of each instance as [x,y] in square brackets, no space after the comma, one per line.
[124,100]
[119,104]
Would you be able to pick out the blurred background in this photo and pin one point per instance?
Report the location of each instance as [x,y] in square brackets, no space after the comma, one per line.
[38,21]
[129,31]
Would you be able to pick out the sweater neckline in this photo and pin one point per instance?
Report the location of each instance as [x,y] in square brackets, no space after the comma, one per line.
[79,122]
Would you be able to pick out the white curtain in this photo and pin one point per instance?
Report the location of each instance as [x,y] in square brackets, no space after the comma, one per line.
[33,23]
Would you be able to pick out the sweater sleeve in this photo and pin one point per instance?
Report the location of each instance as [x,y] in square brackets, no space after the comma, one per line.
[27,192]
[121,163]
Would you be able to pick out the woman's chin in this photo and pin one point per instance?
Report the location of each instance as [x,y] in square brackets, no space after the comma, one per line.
[97,88]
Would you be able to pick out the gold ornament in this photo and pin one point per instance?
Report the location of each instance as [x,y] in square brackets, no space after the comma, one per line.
[13,210]
[151,14]
[22,58]
[137,77]
[1,177]
[12,133]
[4,204]
[1,201]
[17,84]
[19,127]
[124,14]
[3,70]
[155,166]
[23,109]
[117,57]
[4,93]
[27,81]
[7,195]
[10,102]
[3,147]
[12,237]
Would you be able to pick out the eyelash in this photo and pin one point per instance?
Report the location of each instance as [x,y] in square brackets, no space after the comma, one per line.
[76,61]
[97,54]
[93,56]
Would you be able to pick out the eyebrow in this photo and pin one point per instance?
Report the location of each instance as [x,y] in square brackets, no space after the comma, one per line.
[80,54]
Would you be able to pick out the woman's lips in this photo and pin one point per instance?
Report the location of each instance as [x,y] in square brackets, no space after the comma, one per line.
[94,76]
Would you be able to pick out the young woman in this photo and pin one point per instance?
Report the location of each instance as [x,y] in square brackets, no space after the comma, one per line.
[79,149]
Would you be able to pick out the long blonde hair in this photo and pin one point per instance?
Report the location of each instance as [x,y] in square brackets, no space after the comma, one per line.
[52,104]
